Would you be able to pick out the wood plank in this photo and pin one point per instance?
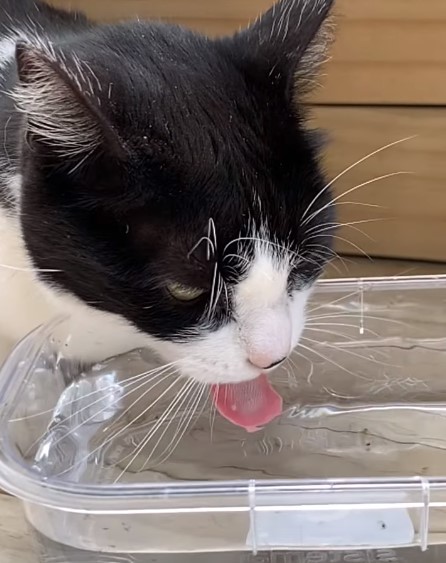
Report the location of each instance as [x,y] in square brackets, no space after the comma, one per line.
[413,207]
[387,54]
[397,10]
[357,267]
[186,9]
[387,51]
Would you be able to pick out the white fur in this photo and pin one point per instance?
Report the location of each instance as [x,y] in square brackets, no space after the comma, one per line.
[51,109]
[7,51]
[54,113]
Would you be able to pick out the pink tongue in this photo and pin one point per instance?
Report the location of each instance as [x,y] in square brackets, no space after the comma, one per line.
[250,404]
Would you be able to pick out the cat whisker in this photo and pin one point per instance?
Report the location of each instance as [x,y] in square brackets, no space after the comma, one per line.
[104,391]
[212,414]
[183,426]
[335,225]
[351,167]
[342,239]
[311,364]
[364,316]
[295,368]
[331,332]
[180,396]
[28,270]
[331,254]
[331,361]
[180,404]
[349,338]
[238,257]
[327,249]
[350,353]
[212,231]
[334,302]
[120,398]
[147,379]
[260,240]
[203,239]
[225,287]
[361,204]
[214,295]
[346,325]
[355,188]
[123,429]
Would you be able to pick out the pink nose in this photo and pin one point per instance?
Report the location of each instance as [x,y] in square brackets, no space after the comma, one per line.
[264,361]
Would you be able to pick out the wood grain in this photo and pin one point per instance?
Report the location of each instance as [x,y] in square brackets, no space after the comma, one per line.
[194,9]
[412,207]
[396,10]
[15,542]
[387,51]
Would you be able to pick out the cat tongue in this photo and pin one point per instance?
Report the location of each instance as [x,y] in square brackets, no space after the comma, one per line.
[250,404]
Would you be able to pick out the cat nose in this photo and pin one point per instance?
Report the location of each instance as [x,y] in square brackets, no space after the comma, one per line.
[263,362]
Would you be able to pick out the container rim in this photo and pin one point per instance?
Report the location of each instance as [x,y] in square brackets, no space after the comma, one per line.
[228,496]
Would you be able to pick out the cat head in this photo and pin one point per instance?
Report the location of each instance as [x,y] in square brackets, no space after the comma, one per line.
[170,181]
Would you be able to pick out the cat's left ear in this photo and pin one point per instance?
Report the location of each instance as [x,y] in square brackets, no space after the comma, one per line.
[288,43]
[60,98]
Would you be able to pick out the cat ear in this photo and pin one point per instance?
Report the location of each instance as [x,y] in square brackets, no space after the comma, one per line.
[61,105]
[290,41]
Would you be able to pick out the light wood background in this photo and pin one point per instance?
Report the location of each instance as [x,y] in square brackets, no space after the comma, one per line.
[386,81]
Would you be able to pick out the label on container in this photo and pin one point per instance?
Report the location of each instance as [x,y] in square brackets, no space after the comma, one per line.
[364,556]
[331,528]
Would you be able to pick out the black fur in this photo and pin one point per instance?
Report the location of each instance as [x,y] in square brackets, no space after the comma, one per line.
[191,129]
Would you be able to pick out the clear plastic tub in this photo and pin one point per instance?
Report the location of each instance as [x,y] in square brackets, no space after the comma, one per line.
[356,462]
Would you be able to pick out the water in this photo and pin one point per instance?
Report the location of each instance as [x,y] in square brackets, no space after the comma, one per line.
[368,400]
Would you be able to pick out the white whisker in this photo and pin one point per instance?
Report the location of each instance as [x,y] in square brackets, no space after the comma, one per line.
[355,188]
[334,225]
[349,352]
[94,415]
[203,239]
[187,398]
[121,430]
[183,426]
[342,239]
[30,270]
[354,165]
[329,360]
[134,454]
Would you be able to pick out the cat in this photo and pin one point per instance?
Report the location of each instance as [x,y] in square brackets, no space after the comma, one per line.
[162,188]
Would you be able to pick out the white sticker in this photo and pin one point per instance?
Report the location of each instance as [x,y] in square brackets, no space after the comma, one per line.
[332,528]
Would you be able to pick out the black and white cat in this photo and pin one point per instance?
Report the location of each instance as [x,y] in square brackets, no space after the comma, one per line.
[160,187]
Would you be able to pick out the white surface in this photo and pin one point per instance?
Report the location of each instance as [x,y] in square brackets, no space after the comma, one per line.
[365,528]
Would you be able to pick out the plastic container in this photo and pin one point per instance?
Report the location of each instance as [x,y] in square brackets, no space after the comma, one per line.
[354,470]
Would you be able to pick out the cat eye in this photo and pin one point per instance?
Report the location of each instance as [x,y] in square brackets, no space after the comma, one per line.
[183,292]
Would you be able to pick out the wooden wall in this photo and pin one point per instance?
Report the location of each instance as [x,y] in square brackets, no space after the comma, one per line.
[386,82]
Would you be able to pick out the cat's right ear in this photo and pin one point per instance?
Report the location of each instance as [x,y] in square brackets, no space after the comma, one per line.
[61,103]
[287,44]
